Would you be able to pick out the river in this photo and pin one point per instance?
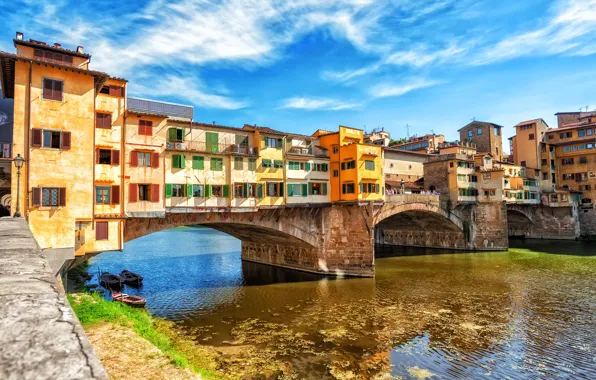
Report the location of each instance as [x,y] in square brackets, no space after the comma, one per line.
[525,313]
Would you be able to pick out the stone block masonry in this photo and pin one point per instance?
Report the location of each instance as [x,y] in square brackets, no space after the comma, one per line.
[40,337]
[587,222]
[541,222]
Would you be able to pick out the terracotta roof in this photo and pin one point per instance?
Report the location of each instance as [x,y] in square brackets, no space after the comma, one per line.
[43,45]
[409,185]
[265,130]
[530,122]
[207,125]
[482,124]
[7,66]
[571,126]
[151,114]
[392,149]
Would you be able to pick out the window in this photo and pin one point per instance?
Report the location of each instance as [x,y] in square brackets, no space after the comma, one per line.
[583,159]
[112,91]
[242,140]
[295,190]
[274,189]
[424,144]
[198,191]
[543,162]
[565,135]
[573,147]
[266,163]
[278,164]
[451,164]
[102,195]
[144,192]
[416,146]
[581,146]
[550,136]
[348,188]
[497,149]
[523,164]
[590,146]
[545,176]
[144,159]
[497,131]
[178,161]
[244,190]
[336,173]
[589,132]
[293,165]
[53,56]
[52,89]
[335,149]
[568,176]
[238,163]
[198,162]
[369,188]
[252,164]
[486,176]
[479,132]
[49,196]
[177,190]
[470,135]
[531,136]
[462,178]
[317,167]
[212,141]
[369,165]
[103,120]
[51,139]
[108,157]
[566,149]
[316,188]
[176,134]
[101,230]
[348,165]
[271,142]
[145,128]
[581,133]
[216,164]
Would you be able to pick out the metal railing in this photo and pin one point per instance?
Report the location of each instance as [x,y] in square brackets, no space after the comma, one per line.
[202,146]
[162,108]
[411,198]
[301,150]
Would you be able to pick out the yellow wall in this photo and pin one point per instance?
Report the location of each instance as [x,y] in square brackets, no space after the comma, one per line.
[265,175]
[328,141]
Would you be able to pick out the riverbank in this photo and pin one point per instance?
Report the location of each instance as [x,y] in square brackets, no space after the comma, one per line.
[133,344]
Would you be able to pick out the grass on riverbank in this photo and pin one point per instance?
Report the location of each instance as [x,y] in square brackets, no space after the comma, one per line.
[92,309]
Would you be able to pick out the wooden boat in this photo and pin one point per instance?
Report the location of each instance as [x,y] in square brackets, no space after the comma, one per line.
[130,300]
[110,281]
[131,278]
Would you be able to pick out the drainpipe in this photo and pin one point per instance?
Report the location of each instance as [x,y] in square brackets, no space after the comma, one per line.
[284,184]
[122,171]
[28,142]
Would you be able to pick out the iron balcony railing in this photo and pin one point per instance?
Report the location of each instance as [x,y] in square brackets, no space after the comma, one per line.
[5,150]
[202,146]
[162,108]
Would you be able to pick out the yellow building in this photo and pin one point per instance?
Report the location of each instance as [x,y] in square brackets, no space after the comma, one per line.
[356,168]
[57,100]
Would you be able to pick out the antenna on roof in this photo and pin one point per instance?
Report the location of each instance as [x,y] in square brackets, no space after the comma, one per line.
[473,119]
[433,131]
[408,130]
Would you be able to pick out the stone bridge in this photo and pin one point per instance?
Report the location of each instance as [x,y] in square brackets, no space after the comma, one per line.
[542,222]
[339,239]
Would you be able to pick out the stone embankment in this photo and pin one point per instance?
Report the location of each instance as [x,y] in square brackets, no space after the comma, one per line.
[40,337]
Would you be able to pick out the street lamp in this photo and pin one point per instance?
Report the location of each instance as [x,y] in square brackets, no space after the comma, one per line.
[19,161]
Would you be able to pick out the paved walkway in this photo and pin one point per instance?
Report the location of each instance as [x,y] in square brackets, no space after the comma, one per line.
[40,337]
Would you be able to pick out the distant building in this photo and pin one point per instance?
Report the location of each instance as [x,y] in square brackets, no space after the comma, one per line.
[377,137]
[404,166]
[486,136]
[427,143]
[525,145]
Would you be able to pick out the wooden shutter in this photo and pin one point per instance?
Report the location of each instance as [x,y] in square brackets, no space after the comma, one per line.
[290,190]
[172,134]
[97,156]
[281,189]
[155,160]
[260,190]
[245,190]
[307,166]
[141,127]
[189,190]
[115,157]
[324,188]
[115,195]
[168,190]
[99,120]
[207,191]
[134,158]
[57,93]
[47,89]
[155,193]
[36,197]
[279,143]
[309,188]
[101,230]
[198,162]
[226,191]
[182,159]
[133,192]
[62,195]
[305,190]
[36,137]
[149,128]
[66,140]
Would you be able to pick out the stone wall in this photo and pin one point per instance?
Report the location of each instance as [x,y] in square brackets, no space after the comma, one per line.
[541,222]
[587,223]
[485,226]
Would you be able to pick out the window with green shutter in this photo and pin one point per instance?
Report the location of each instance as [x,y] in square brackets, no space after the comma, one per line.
[324,188]
[176,134]
[266,163]
[168,190]
[226,191]
[280,143]
[198,191]
[305,190]
[260,190]
[212,141]
[188,190]
[290,190]
[325,167]
[216,164]
[178,161]
[198,162]
[369,165]
[279,164]
[252,164]
[307,166]
[238,163]
[207,191]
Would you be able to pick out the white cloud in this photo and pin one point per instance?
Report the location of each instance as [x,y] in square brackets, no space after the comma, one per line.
[385,90]
[312,104]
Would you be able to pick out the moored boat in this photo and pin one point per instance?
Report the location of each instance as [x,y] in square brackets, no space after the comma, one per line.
[130,300]
[131,278]
[110,281]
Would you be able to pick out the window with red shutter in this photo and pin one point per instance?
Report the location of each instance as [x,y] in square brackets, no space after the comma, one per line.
[103,121]
[101,230]
[36,197]
[134,158]
[133,192]
[145,127]
[155,160]
[66,140]
[115,157]
[62,192]
[52,89]
[115,195]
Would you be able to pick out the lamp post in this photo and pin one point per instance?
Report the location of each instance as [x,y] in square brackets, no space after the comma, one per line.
[19,161]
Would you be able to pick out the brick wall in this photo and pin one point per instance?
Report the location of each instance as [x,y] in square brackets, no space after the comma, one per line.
[587,223]
[486,226]
[543,222]
[486,142]
[567,118]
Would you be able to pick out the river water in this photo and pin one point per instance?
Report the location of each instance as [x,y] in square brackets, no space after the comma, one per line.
[526,313]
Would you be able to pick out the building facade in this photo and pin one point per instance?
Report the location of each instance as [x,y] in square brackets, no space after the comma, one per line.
[428,143]
[404,169]
[486,136]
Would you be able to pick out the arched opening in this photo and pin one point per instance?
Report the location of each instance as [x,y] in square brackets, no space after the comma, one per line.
[417,228]
[519,224]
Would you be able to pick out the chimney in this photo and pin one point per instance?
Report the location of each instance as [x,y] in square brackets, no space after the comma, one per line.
[80,49]
[19,36]
[57,45]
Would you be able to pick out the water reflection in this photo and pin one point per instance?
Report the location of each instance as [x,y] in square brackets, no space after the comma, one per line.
[517,314]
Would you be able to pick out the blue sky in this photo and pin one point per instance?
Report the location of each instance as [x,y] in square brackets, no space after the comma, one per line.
[302,65]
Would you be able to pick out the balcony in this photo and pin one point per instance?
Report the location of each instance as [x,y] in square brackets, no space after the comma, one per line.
[5,150]
[300,150]
[161,108]
[219,148]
